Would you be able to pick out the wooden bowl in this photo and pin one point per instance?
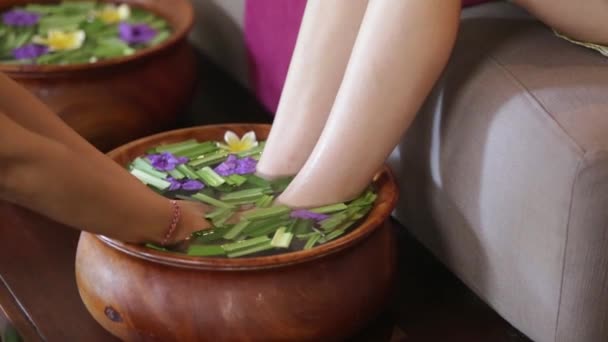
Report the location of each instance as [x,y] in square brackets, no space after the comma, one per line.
[323,294]
[115,101]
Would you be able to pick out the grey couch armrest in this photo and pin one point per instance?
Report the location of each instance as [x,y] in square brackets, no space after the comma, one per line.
[504,174]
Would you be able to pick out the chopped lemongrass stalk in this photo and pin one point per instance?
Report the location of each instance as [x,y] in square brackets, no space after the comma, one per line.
[244,201]
[331,236]
[281,238]
[197,150]
[214,158]
[201,251]
[343,226]
[178,150]
[253,151]
[209,235]
[361,213]
[186,170]
[255,180]
[353,210]
[245,194]
[236,180]
[333,221]
[219,220]
[302,226]
[264,201]
[305,236]
[160,37]
[366,199]
[148,179]
[180,146]
[153,173]
[175,173]
[198,153]
[263,213]
[356,212]
[272,221]
[280,185]
[328,209]
[210,177]
[210,200]
[233,246]
[224,188]
[318,231]
[217,212]
[264,246]
[233,232]
[291,226]
[145,166]
[186,198]
[312,240]
[265,230]
[158,248]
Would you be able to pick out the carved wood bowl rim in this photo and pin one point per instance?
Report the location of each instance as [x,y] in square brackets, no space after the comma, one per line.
[177,36]
[387,197]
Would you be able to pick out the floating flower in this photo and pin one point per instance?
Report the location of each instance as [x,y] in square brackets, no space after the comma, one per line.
[233,165]
[112,14]
[19,17]
[30,51]
[192,185]
[308,215]
[188,185]
[135,33]
[175,184]
[166,161]
[246,166]
[235,144]
[58,40]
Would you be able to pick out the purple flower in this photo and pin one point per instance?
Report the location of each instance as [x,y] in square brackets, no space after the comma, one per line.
[175,184]
[30,51]
[228,166]
[19,17]
[192,185]
[246,165]
[233,165]
[135,33]
[166,161]
[188,185]
[308,215]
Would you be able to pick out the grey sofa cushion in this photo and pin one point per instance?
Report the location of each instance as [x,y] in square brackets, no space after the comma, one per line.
[504,174]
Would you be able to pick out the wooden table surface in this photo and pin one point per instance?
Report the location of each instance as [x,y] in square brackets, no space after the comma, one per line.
[38,290]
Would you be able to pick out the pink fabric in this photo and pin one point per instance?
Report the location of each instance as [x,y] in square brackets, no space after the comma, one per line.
[271,29]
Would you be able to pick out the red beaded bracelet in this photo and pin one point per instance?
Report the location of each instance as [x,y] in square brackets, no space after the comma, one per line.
[177,213]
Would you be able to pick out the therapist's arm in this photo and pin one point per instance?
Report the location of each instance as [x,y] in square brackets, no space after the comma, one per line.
[52,179]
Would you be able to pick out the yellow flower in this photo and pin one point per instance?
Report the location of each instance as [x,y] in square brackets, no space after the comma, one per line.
[58,40]
[112,14]
[235,144]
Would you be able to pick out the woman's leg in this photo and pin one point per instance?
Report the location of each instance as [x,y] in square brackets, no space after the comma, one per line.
[325,41]
[585,20]
[400,51]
